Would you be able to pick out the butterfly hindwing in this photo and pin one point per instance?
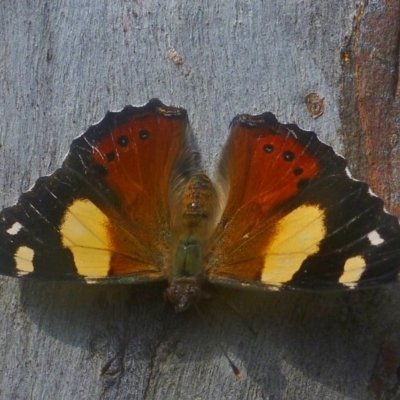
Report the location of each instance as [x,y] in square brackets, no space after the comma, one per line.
[294,218]
[105,213]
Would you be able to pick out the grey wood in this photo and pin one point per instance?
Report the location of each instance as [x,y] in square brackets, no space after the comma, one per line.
[63,64]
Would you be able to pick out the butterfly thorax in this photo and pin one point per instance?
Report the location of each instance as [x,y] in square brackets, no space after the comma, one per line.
[198,206]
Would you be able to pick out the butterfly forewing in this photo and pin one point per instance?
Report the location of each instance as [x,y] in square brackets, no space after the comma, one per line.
[105,214]
[293,216]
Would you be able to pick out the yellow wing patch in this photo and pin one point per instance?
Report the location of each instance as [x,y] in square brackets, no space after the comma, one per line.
[85,232]
[353,268]
[297,236]
[24,260]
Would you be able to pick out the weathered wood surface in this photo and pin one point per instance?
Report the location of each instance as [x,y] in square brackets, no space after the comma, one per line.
[64,64]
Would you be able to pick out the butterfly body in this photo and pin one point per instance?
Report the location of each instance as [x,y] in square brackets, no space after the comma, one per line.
[130,204]
[186,275]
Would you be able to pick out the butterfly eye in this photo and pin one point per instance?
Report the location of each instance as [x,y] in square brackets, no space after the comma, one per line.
[298,171]
[143,134]
[288,155]
[269,148]
[123,141]
[110,156]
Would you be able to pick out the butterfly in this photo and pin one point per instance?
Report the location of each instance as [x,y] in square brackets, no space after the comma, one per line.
[131,204]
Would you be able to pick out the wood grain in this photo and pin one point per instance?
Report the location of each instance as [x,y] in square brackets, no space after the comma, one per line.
[63,64]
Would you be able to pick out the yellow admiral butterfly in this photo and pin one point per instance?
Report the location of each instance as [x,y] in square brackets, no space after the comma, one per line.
[131,204]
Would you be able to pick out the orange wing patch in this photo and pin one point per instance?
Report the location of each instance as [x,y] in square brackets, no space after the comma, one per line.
[140,177]
[266,166]
[142,181]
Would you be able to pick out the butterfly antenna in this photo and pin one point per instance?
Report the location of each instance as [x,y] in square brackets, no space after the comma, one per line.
[235,369]
[239,313]
[108,364]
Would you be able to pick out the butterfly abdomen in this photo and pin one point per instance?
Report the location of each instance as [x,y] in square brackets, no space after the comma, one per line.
[186,274]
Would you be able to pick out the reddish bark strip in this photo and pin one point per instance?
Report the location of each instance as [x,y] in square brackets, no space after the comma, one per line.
[371,90]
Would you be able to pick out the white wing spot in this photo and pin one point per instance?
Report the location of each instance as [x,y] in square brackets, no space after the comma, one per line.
[16,227]
[375,238]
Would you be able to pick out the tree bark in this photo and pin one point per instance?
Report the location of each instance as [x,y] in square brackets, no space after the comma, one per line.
[65,63]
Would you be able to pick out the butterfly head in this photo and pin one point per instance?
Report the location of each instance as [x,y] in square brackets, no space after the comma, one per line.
[183,293]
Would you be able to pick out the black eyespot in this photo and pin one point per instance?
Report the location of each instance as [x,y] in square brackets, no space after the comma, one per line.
[110,156]
[100,170]
[298,171]
[288,155]
[143,134]
[269,148]
[303,183]
[123,141]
